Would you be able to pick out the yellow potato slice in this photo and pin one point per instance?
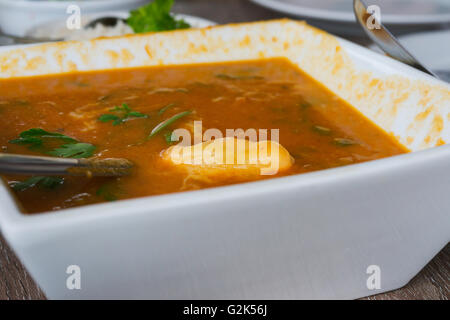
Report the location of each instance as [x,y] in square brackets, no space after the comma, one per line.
[230,157]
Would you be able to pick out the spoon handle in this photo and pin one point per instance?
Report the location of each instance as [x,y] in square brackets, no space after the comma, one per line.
[32,165]
[383,38]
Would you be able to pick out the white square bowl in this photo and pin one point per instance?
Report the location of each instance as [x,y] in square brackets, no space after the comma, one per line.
[305,236]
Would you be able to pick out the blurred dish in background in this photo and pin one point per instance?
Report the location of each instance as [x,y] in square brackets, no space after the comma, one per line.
[18,17]
[337,15]
[57,29]
[152,17]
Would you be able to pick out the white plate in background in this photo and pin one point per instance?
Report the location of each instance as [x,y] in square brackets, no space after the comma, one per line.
[392,11]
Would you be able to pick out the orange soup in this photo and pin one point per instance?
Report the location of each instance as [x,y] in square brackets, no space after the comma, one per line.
[133,113]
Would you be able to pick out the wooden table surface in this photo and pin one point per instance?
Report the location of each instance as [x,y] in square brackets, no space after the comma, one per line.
[433,282]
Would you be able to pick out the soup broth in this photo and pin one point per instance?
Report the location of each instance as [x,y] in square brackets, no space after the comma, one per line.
[116,112]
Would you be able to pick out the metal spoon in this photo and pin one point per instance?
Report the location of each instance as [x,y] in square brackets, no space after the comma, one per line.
[385,40]
[105,21]
[31,165]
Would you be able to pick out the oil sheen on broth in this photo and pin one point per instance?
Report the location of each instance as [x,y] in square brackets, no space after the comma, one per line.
[116,111]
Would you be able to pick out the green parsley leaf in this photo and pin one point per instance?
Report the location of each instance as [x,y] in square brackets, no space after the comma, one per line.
[168,122]
[74,150]
[45,182]
[35,137]
[155,16]
[108,117]
[125,114]
[71,148]
[136,114]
